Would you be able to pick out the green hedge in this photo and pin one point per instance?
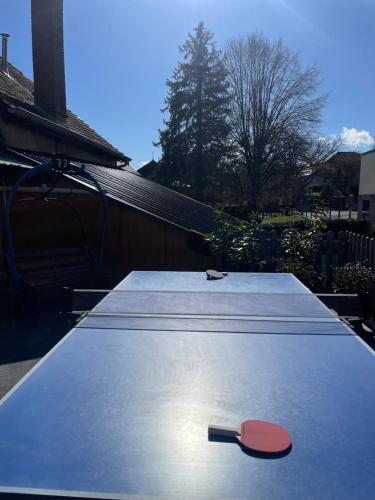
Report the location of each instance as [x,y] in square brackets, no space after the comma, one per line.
[355,226]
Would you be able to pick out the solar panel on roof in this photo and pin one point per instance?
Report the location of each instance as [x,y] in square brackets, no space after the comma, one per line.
[147,196]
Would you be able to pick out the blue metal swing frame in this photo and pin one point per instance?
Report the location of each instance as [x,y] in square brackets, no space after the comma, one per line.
[49,166]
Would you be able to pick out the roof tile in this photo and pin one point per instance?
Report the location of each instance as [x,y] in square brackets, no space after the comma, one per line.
[17,89]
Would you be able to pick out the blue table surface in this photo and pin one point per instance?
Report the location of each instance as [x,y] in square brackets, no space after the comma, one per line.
[197,282]
[122,411]
[238,294]
[217,304]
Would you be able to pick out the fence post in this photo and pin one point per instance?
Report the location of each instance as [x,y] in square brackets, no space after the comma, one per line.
[342,248]
[330,248]
[274,248]
[366,251]
[273,238]
[264,244]
[352,256]
[348,246]
[361,248]
[321,256]
[356,248]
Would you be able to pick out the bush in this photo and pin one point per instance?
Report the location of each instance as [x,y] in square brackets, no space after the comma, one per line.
[235,240]
[301,247]
[302,270]
[280,227]
[238,211]
[302,244]
[354,278]
[355,226]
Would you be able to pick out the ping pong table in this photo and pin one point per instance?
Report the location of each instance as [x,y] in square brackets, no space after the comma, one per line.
[121,406]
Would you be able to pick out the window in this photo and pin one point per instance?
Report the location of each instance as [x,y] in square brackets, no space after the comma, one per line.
[365,205]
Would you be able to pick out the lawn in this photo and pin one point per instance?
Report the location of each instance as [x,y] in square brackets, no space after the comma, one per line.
[282,219]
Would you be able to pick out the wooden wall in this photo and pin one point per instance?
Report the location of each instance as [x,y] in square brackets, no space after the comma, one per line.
[145,243]
[135,241]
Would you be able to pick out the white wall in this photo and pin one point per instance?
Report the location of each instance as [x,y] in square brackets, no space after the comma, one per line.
[367,176]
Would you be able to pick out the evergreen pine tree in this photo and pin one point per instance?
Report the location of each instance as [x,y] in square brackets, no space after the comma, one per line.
[194,140]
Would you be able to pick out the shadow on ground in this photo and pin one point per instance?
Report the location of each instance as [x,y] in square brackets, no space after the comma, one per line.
[24,341]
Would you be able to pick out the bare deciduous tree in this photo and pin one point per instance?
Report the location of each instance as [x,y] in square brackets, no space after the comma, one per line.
[274,104]
[304,159]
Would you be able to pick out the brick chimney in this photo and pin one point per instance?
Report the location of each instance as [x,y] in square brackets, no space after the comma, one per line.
[4,52]
[48,57]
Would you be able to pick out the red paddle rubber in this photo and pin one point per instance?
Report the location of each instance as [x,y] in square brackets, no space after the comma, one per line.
[265,437]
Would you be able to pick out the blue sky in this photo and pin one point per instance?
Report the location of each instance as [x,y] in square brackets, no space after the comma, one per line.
[119,53]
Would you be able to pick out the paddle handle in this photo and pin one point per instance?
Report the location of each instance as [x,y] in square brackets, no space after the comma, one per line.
[219,430]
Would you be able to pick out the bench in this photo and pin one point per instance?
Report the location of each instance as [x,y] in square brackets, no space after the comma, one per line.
[46,274]
[55,267]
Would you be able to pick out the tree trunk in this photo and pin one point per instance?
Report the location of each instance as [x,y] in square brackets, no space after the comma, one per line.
[253,196]
[198,170]
[253,185]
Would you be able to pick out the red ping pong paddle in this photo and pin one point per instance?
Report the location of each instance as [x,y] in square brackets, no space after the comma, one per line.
[256,435]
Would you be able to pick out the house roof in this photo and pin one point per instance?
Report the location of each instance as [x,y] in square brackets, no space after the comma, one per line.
[142,194]
[345,157]
[368,152]
[17,92]
[148,168]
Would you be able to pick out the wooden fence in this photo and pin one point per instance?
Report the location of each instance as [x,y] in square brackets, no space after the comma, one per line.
[335,250]
[361,249]
[347,247]
[269,247]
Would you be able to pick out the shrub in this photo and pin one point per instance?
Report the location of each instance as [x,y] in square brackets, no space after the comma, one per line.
[302,244]
[280,227]
[355,226]
[239,211]
[303,271]
[236,241]
[354,278]
[300,248]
